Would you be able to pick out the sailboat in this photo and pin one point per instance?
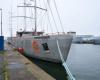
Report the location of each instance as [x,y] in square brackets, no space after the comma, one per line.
[39,45]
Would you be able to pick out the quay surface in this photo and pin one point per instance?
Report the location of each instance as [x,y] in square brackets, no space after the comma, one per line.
[1,65]
[14,66]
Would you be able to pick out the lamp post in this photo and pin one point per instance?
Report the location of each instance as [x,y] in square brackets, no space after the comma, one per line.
[1,21]
[1,37]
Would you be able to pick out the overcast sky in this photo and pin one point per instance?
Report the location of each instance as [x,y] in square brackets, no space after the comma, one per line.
[81,16]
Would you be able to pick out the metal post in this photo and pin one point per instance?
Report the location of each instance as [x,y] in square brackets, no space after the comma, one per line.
[1,22]
[35,17]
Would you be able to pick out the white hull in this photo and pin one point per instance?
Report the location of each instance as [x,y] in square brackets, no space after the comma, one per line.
[35,46]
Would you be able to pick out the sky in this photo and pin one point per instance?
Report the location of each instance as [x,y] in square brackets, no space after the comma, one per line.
[81,16]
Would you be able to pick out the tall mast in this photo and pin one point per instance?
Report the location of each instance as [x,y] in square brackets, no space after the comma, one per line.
[35,17]
[35,13]
[24,15]
[10,23]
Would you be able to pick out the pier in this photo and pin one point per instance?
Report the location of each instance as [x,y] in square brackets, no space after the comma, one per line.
[14,66]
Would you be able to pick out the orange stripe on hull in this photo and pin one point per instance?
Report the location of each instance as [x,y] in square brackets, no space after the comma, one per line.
[35,46]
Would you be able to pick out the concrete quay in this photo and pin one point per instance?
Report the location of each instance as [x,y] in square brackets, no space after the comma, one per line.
[14,66]
[1,66]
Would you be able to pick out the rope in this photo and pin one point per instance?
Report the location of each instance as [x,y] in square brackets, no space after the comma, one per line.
[64,63]
[52,16]
[45,16]
[48,18]
[49,23]
[43,21]
[59,16]
[31,16]
[62,59]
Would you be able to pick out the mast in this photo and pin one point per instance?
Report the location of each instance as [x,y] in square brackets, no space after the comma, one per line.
[35,17]
[11,24]
[24,15]
[35,13]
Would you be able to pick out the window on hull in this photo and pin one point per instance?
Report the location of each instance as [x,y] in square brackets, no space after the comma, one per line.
[45,46]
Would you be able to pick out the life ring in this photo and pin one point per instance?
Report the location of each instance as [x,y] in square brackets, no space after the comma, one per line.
[35,46]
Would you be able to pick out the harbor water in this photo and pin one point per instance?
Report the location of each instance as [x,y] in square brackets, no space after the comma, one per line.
[84,61]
